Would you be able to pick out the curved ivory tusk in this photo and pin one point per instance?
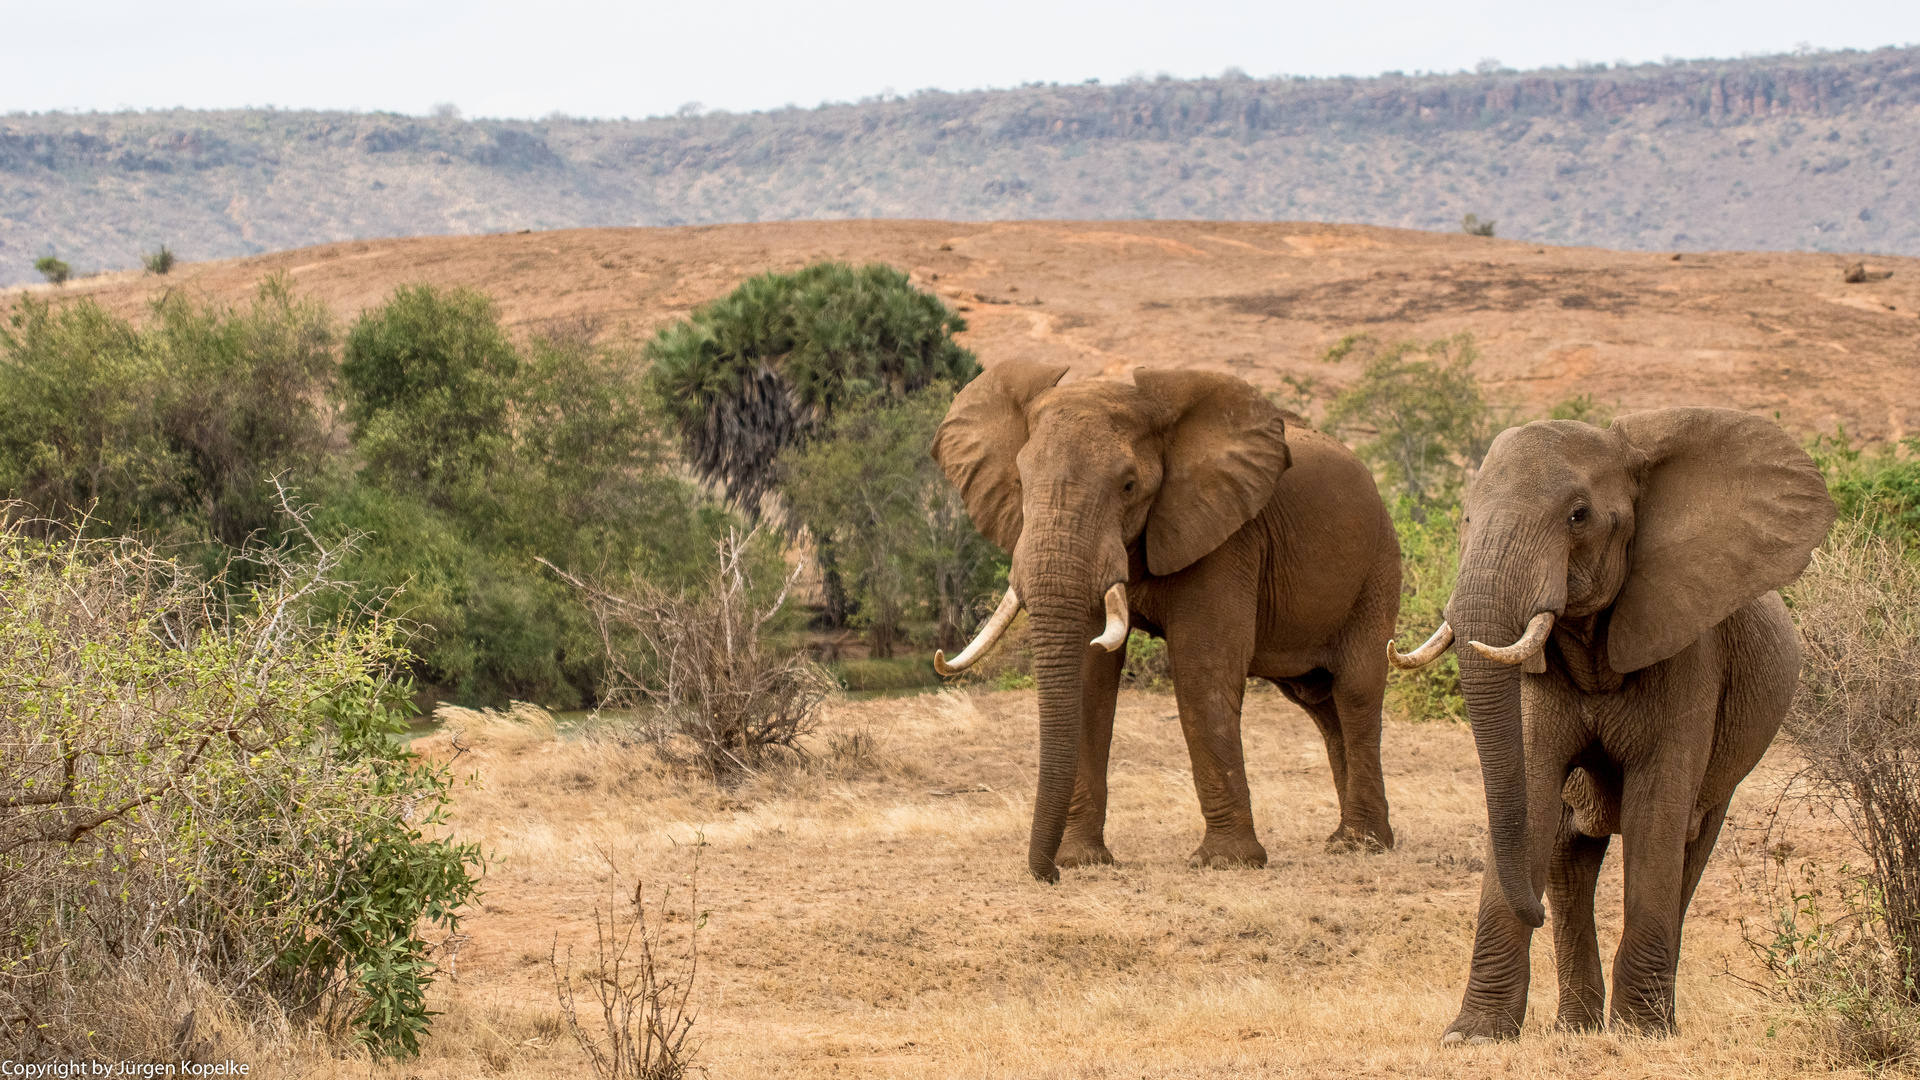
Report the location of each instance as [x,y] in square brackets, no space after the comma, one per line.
[1115,635]
[982,641]
[1523,650]
[1425,654]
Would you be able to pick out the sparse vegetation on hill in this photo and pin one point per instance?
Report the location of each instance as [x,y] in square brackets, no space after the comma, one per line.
[1781,152]
[54,270]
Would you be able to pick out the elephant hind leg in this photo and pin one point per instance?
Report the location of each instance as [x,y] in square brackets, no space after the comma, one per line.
[1349,720]
[1313,692]
[1571,881]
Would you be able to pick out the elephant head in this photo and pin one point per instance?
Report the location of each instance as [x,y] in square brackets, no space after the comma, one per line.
[1658,528]
[1071,480]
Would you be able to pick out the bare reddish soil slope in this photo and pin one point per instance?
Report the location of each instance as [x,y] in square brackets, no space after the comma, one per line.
[1758,331]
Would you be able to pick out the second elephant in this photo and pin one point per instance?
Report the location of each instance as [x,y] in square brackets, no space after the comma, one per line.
[1182,504]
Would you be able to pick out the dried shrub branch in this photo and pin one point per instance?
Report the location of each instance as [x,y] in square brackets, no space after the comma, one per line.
[642,983]
[1842,947]
[702,661]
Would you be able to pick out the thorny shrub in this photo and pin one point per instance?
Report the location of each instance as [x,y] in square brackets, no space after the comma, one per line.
[202,791]
[1829,959]
[1846,954]
[706,664]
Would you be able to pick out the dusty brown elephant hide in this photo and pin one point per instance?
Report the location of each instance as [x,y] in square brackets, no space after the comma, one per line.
[1637,565]
[1255,549]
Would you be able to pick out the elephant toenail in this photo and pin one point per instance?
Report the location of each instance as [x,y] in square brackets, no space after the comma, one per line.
[1452,1038]
[1480,1040]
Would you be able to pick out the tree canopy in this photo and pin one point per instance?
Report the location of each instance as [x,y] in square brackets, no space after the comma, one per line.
[759,370]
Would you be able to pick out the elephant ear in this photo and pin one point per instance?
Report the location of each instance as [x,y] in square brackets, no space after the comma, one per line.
[1226,446]
[982,434]
[1730,508]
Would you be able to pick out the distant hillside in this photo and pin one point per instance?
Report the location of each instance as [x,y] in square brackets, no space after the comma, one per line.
[1811,152]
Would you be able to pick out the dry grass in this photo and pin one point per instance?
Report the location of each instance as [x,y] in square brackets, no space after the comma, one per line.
[864,927]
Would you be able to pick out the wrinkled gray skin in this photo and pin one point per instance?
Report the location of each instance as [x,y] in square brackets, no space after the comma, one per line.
[1657,543]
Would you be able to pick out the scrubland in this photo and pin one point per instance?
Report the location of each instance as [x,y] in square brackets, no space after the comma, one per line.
[862,921]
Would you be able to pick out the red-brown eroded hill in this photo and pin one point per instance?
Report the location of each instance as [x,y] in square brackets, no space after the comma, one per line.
[1764,332]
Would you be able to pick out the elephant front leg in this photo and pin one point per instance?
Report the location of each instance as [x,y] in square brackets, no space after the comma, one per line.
[1656,817]
[1496,1000]
[1210,703]
[1495,1003]
[1085,841]
[1576,947]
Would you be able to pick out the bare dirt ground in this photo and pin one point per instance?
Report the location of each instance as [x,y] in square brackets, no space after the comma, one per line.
[1762,332]
[862,926]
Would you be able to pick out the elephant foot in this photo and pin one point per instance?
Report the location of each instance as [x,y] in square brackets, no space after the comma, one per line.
[1083,853]
[1222,852]
[1650,1025]
[1348,839]
[1479,1029]
[1580,1013]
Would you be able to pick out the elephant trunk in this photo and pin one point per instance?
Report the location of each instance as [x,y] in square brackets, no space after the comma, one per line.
[1492,690]
[1058,633]
[1061,588]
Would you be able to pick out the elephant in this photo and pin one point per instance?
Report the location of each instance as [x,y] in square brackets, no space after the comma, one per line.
[1637,565]
[1185,505]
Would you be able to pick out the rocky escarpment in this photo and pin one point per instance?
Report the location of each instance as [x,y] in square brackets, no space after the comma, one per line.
[1809,152]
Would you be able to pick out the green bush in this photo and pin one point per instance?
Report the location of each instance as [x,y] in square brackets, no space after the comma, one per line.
[1429,559]
[81,394]
[1473,226]
[158,262]
[53,269]
[1416,413]
[237,403]
[1146,665]
[427,380]
[756,371]
[479,457]
[1880,487]
[204,793]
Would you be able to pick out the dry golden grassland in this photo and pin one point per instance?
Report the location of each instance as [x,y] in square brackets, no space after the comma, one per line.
[861,926]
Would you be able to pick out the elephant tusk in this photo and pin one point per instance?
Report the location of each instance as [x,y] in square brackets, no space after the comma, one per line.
[1425,654]
[1526,648]
[989,634]
[1115,635]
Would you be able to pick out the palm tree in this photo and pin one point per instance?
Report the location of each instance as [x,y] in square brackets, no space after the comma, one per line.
[758,370]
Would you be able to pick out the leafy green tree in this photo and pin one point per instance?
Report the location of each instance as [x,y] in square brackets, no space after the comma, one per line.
[868,485]
[427,379]
[758,370]
[1881,486]
[159,262]
[1418,414]
[172,431]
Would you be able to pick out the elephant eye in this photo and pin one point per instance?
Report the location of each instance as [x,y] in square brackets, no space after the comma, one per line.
[1129,486]
[1579,516]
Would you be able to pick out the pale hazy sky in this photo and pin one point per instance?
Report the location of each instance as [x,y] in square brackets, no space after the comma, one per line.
[498,59]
